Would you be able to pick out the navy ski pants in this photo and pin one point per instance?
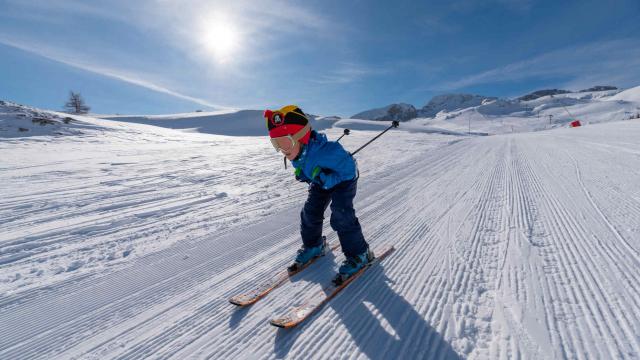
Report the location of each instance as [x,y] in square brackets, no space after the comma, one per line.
[343,217]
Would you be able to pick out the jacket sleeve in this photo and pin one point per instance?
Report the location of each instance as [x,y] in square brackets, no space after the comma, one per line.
[336,165]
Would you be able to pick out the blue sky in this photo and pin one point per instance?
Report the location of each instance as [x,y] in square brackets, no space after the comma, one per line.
[329,57]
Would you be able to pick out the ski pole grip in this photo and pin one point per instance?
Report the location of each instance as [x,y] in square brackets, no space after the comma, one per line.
[346,132]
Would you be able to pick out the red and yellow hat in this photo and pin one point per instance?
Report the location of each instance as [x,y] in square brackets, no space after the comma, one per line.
[288,121]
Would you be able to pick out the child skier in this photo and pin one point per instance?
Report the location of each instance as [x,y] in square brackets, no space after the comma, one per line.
[332,175]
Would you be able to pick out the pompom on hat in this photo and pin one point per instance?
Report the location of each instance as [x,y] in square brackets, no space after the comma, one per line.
[288,121]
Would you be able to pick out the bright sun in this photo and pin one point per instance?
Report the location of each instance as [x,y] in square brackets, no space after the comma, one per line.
[220,39]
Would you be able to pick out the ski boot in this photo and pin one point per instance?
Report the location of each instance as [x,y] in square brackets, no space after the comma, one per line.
[306,255]
[351,265]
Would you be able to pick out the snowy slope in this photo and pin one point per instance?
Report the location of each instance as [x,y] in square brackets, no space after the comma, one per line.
[632,95]
[490,115]
[522,245]
[89,202]
[506,116]
[21,121]
[235,123]
[452,102]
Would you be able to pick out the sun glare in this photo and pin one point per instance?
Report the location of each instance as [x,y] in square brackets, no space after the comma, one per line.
[220,39]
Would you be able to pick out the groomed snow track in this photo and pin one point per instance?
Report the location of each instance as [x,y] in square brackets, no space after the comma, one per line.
[518,246]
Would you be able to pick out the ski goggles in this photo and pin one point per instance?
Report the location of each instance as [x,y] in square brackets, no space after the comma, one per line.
[281,143]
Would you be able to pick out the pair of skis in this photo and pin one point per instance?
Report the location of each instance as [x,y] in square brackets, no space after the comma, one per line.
[315,301]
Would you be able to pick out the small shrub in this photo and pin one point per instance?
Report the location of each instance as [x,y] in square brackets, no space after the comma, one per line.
[42,121]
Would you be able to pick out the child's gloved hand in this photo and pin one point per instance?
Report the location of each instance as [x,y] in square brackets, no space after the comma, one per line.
[300,176]
[321,178]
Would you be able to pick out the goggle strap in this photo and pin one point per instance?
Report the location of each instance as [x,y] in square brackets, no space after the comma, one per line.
[300,134]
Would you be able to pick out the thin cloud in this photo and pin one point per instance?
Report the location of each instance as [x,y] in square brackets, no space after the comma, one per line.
[268,32]
[468,6]
[41,50]
[595,62]
[53,10]
[346,73]
[261,26]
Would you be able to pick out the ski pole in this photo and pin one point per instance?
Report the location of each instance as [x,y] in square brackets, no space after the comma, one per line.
[346,132]
[393,124]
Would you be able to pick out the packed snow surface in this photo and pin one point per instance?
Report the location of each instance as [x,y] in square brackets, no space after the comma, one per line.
[126,240]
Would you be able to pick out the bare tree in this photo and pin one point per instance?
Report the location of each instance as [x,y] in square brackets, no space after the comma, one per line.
[76,104]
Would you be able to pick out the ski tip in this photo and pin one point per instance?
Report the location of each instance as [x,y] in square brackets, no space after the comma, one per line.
[279,323]
[241,302]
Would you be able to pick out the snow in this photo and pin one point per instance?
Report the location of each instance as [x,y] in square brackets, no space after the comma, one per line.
[354,124]
[453,102]
[19,121]
[501,116]
[378,113]
[235,123]
[463,113]
[125,240]
[632,95]
[120,190]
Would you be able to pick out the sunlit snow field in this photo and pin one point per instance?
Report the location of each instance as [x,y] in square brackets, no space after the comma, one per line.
[123,240]
[85,204]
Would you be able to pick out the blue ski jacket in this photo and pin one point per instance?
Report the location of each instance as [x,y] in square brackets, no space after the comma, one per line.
[324,162]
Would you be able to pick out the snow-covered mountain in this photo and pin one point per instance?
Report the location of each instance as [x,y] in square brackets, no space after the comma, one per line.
[599,88]
[233,123]
[453,102]
[629,95]
[545,109]
[543,113]
[540,93]
[399,112]
[404,112]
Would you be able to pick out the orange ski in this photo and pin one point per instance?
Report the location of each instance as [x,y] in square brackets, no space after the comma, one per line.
[299,313]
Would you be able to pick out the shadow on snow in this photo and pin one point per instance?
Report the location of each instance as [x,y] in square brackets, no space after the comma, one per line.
[363,311]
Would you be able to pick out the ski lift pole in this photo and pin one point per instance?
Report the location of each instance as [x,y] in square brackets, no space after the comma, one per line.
[393,125]
[346,132]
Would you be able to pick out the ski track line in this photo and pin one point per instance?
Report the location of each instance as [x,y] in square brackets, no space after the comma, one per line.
[616,233]
[536,235]
[389,264]
[553,269]
[185,274]
[626,255]
[522,216]
[370,237]
[624,272]
[361,216]
[202,312]
[268,344]
[568,237]
[148,228]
